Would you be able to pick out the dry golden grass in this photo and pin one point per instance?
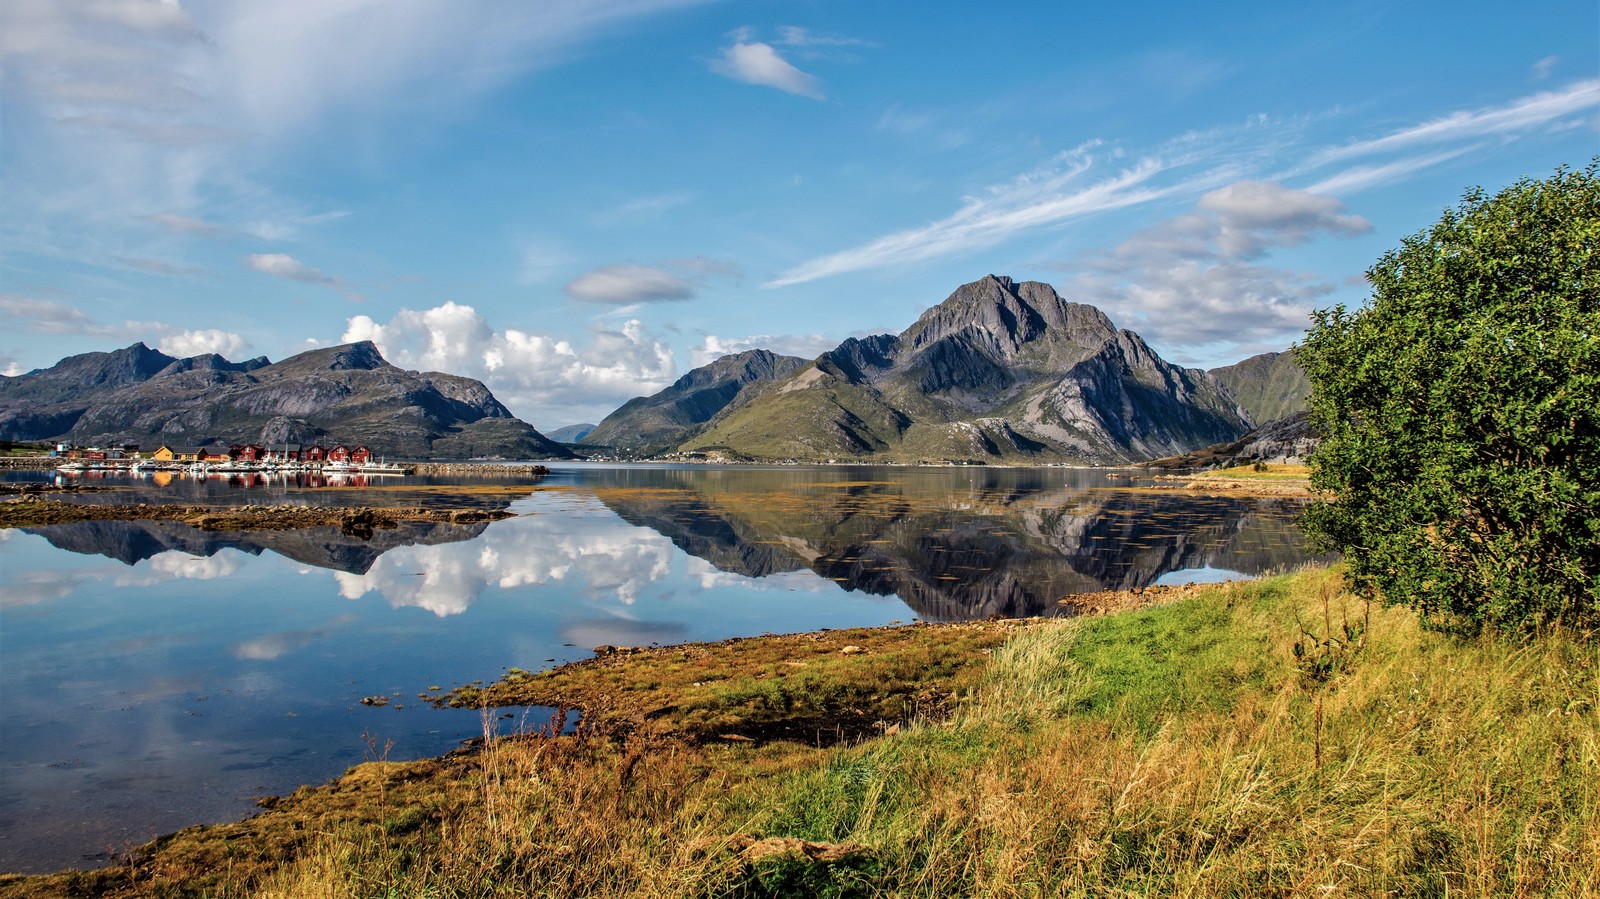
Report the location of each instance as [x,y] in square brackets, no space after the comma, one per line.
[1186,750]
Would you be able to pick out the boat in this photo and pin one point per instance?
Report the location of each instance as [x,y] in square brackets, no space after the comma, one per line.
[384,468]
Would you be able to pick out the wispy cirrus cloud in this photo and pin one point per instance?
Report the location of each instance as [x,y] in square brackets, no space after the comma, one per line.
[1519,115]
[1043,198]
[119,107]
[47,317]
[641,210]
[157,266]
[1361,177]
[183,224]
[1070,186]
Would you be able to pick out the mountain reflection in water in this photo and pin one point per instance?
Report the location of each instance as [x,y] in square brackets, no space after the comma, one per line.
[960,545]
[953,545]
[195,671]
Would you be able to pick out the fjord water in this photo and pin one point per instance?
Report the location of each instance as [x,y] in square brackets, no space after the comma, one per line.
[157,676]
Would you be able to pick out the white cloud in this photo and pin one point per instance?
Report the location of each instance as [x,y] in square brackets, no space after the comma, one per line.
[622,285]
[754,62]
[1526,112]
[1190,163]
[806,346]
[1360,177]
[158,267]
[183,224]
[196,343]
[641,210]
[1543,68]
[119,107]
[282,265]
[539,377]
[46,317]
[604,565]
[1192,280]
[793,36]
[1038,199]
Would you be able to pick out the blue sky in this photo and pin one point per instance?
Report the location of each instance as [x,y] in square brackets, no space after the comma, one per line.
[580,200]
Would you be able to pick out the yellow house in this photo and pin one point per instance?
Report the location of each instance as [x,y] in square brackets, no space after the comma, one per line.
[176,453]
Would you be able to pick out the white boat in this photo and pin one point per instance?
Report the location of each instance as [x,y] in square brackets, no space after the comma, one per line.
[384,468]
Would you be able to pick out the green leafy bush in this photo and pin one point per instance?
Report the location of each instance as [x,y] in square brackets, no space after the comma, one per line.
[1461,413]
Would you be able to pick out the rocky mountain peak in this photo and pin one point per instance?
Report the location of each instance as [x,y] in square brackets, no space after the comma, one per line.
[1000,316]
[129,365]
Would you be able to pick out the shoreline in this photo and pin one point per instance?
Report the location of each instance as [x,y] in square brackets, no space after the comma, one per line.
[29,510]
[747,760]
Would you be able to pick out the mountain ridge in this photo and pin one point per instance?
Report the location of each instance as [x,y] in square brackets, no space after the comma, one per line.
[347,393]
[999,371]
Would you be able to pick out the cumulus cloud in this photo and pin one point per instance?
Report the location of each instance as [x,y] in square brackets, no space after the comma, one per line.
[806,346]
[538,376]
[754,62]
[1243,221]
[210,340]
[1194,279]
[595,560]
[623,285]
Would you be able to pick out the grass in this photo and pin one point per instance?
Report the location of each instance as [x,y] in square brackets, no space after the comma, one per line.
[1273,471]
[1189,750]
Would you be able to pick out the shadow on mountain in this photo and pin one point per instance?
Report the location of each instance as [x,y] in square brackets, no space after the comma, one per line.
[999,544]
[131,542]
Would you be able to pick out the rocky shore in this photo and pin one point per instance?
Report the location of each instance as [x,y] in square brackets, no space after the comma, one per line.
[31,510]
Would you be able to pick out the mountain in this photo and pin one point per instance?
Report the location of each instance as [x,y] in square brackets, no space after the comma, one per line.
[999,371]
[571,433]
[1269,386]
[660,422]
[344,394]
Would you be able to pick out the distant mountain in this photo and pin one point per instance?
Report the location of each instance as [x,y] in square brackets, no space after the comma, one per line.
[571,433]
[663,421]
[998,371]
[1269,386]
[344,394]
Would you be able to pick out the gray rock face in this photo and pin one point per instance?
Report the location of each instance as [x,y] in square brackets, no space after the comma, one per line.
[668,418]
[999,370]
[345,394]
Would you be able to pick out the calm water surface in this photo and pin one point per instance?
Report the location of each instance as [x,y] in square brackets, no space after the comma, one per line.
[153,676]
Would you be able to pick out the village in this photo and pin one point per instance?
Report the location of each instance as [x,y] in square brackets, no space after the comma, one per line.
[235,458]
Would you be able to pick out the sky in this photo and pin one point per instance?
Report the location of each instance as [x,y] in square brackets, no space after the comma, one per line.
[578,201]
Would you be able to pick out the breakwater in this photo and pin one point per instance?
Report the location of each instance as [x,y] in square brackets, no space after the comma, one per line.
[28,463]
[528,470]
